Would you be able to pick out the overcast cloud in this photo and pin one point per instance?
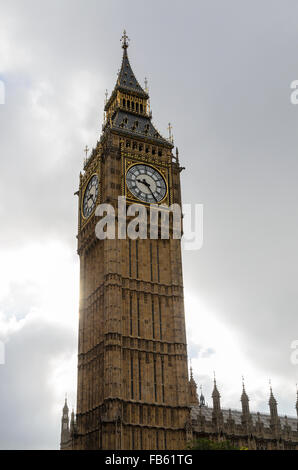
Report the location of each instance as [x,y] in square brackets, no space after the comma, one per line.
[220,71]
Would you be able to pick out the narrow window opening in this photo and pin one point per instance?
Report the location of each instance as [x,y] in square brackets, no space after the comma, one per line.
[154,374]
[129,249]
[140,380]
[137,258]
[131,377]
[157,256]
[160,318]
[130,314]
[153,322]
[151,267]
[138,313]
[162,380]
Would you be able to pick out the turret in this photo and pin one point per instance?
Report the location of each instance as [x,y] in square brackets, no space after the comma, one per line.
[65,433]
[246,416]
[202,398]
[274,419]
[273,406]
[216,398]
[217,416]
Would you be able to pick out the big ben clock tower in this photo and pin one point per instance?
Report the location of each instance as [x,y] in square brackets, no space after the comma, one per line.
[133,389]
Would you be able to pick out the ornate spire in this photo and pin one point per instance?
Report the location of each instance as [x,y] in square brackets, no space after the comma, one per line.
[215,393]
[125,40]
[217,416]
[202,398]
[65,434]
[126,78]
[297,400]
[244,397]
[246,417]
[128,109]
[274,421]
[65,408]
[272,400]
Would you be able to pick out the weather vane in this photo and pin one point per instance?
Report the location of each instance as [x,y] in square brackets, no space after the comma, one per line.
[125,40]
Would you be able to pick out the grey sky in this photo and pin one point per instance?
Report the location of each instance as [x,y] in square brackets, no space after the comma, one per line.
[220,71]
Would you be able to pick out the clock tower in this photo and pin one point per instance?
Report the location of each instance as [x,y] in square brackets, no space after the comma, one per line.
[133,389]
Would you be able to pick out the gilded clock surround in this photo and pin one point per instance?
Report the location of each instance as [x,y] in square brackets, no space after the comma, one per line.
[83,196]
[164,171]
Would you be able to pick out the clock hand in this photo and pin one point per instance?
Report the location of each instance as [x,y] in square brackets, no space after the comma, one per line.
[153,194]
[148,186]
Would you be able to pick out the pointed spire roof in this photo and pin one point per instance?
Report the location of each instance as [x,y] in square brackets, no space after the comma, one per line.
[244,396]
[215,393]
[126,77]
[202,398]
[65,408]
[272,400]
[129,117]
[126,80]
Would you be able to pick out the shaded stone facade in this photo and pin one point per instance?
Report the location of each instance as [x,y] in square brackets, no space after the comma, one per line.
[132,362]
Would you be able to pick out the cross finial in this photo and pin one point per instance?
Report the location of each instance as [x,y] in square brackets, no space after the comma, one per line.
[125,39]
[146,84]
[86,150]
[106,96]
[170,130]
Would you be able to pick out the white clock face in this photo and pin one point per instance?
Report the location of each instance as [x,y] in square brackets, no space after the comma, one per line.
[90,196]
[146,183]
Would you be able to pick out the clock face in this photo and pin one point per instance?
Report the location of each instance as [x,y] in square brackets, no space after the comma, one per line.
[90,196]
[146,183]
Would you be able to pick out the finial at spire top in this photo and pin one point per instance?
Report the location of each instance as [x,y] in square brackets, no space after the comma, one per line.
[146,84]
[125,40]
